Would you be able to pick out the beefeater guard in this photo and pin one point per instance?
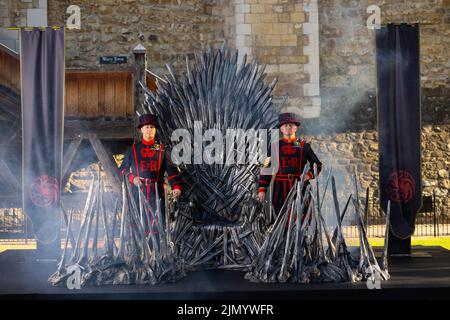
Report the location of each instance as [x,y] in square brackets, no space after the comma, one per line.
[146,162]
[294,153]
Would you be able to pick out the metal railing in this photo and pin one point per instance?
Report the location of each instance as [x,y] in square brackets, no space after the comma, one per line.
[14,225]
[432,220]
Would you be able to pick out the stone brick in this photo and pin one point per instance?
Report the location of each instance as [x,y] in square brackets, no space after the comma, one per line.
[277,8]
[270,51]
[299,7]
[272,40]
[289,40]
[272,60]
[105,10]
[243,29]
[288,51]
[240,40]
[268,8]
[293,59]
[271,17]
[242,8]
[280,28]
[288,8]
[284,17]
[262,28]
[239,18]
[258,40]
[290,68]
[257,8]
[272,69]
[298,17]
[249,41]
[111,2]
[252,18]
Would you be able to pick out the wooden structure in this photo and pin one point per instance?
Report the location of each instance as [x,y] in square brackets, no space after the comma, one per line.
[9,69]
[9,122]
[99,94]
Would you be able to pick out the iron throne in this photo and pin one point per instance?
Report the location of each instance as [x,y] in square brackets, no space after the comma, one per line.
[215,92]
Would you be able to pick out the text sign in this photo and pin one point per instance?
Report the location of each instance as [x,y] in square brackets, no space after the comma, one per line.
[113,59]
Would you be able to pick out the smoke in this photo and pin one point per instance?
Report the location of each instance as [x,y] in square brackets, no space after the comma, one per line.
[345,188]
[347,70]
[348,97]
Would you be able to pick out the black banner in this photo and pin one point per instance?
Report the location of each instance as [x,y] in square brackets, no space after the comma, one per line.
[42,80]
[399,124]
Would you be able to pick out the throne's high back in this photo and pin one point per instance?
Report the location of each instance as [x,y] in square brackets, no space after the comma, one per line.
[214,92]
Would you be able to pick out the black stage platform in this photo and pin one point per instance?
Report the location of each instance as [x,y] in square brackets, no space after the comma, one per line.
[426,276]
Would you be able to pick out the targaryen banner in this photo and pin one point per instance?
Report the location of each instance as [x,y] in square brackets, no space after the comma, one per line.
[42,80]
[399,124]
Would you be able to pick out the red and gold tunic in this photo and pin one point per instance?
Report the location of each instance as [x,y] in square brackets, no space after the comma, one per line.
[293,156]
[149,160]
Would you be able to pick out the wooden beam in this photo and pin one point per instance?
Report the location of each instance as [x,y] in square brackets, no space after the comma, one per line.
[9,110]
[103,129]
[69,229]
[6,173]
[69,155]
[106,161]
[99,72]
[9,102]
[10,136]
[9,51]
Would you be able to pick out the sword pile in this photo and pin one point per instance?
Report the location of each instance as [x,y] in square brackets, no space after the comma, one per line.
[300,247]
[132,246]
[139,246]
[220,244]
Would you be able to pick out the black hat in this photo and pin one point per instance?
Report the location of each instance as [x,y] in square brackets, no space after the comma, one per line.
[148,119]
[284,118]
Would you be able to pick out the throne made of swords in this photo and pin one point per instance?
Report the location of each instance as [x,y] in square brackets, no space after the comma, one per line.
[219,223]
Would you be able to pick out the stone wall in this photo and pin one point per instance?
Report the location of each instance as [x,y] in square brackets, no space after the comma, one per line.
[169,29]
[358,151]
[14,12]
[224,9]
[347,65]
[275,32]
[345,134]
[20,13]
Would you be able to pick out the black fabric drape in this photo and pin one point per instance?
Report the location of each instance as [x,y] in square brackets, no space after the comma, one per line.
[399,124]
[42,80]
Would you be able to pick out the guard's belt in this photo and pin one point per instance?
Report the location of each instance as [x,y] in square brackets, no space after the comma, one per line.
[148,181]
[290,176]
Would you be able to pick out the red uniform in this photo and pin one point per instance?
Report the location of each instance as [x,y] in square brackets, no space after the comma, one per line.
[293,156]
[150,160]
